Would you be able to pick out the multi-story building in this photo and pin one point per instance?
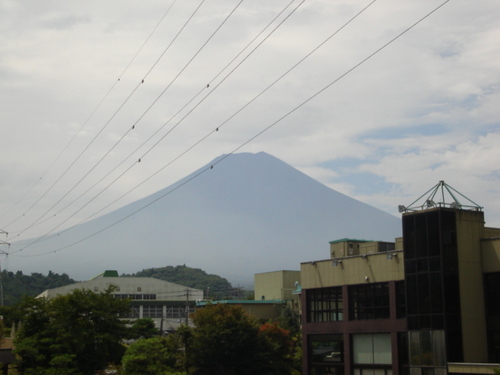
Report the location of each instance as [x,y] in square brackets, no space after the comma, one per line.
[429,303]
[168,304]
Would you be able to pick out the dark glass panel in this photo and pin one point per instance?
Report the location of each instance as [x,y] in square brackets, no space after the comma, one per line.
[400,299]
[436,300]
[421,235]
[423,265]
[435,264]
[423,294]
[410,266]
[326,348]
[454,346]
[411,294]
[438,321]
[434,240]
[403,349]
[492,293]
[370,301]
[409,236]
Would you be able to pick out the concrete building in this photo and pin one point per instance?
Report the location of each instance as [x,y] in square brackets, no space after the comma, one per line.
[273,293]
[168,304]
[429,303]
[276,285]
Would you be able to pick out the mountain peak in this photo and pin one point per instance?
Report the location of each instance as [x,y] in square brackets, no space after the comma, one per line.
[251,213]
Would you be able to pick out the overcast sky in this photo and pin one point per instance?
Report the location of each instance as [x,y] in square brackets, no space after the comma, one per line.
[382,127]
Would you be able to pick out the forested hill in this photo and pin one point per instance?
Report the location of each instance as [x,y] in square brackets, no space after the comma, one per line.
[15,285]
[214,287]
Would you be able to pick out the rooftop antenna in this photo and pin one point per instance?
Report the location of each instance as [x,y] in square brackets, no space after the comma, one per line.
[441,195]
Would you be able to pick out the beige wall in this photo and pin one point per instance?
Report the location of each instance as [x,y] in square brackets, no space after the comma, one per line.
[353,270]
[470,229]
[490,250]
[491,232]
[266,311]
[275,285]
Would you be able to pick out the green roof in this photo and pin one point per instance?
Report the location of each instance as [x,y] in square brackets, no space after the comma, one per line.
[107,273]
[350,240]
[110,273]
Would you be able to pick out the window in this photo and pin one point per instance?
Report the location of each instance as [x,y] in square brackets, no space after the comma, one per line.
[426,350]
[492,293]
[369,301]
[372,349]
[326,348]
[372,371]
[96,289]
[152,311]
[325,304]
[136,296]
[400,299]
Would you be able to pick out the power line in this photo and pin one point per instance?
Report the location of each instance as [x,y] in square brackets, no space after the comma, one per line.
[137,161]
[224,157]
[80,130]
[100,132]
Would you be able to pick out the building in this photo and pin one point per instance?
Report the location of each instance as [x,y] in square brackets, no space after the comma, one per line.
[429,303]
[261,310]
[273,293]
[168,304]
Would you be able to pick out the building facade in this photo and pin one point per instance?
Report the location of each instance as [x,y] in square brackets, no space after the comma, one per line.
[429,303]
[168,304]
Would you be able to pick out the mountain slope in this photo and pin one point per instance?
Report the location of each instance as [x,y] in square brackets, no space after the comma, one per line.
[251,213]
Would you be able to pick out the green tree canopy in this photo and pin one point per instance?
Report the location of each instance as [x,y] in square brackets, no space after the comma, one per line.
[155,356]
[143,328]
[78,333]
[16,284]
[227,341]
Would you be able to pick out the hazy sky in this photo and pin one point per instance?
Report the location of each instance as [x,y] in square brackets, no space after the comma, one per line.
[76,116]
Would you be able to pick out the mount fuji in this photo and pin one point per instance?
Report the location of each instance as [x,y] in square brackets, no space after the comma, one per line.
[248,214]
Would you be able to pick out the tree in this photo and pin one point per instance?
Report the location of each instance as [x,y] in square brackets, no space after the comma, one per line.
[214,286]
[77,333]
[143,328]
[16,285]
[279,351]
[227,341]
[155,356]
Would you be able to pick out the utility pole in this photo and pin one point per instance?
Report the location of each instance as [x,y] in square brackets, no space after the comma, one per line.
[187,305]
[2,252]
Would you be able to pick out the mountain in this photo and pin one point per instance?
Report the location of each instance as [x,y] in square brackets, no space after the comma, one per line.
[251,213]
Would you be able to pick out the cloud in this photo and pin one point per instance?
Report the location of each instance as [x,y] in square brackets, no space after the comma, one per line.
[424,109]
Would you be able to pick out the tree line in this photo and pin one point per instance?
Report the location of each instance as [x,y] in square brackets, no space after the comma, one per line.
[213,286]
[15,285]
[82,333]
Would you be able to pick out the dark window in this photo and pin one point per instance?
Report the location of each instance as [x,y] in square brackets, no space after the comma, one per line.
[426,350]
[400,299]
[369,301]
[136,296]
[492,293]
[325,304]
[327,370]
[326,348]
[152,311]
